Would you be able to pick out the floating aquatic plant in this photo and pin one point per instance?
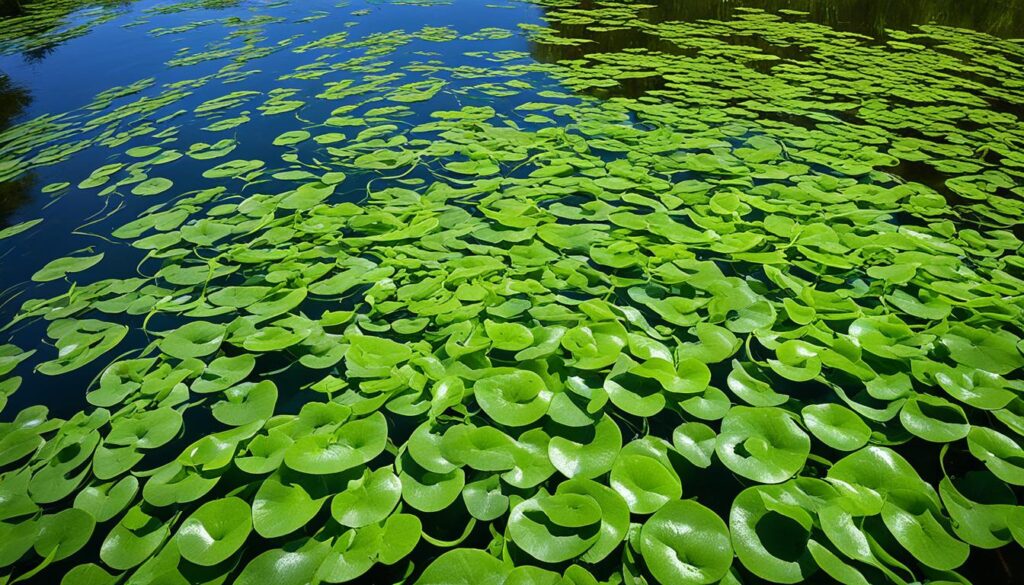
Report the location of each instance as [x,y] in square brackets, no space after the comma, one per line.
[496,320]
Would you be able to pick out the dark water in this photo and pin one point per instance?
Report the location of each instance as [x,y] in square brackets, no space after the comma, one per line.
[59,63]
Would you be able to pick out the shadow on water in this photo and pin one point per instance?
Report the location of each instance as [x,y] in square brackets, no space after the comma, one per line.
[635,30]
[1003,18]
[872,18]
[29,25]
[13,194]
[13,101]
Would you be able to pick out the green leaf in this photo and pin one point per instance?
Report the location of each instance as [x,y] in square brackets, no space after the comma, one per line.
[629,389]
[264,453]
[353,444]
[352,555]
[373,357]
[291,137]
[16,540]
[194,339]
[103,501]
[751,389]
[686,543]
[175,484]
[61,267]
[835,566]
[14,497]
[925,533]
[994,352]
[696,442]
[401,534]
[484,499]
[836,426]
[880,469]
[555,528]
[10,356]
[307,196]
[88,574]
[508,336]
[715,343]
[1001,454]
[134,539]
[223,373]
[424,447]
[644,482]
[215,531]
[909,506]
[10,232]
[246,402]
[594,347]
[285,502]
[934,419]
[797,361]
[511,397]
[763,444]
[586,452]
[294,564]
[770,532]
[145,430]
[153,186]
[981,508]
[482,448]
[367,500]
[429,491]
[233,168]
[79,342]
[614,516]
[974,387]
[532,465]
[464,566]
[63,534]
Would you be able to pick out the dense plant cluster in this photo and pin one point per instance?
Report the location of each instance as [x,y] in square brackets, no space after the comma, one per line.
[457,323]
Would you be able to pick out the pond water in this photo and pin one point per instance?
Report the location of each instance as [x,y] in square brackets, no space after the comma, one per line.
[508,291]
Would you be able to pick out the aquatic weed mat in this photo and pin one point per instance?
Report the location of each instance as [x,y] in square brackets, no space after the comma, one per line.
[737,302]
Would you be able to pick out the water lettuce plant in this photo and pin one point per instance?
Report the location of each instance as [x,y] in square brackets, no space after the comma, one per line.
[740,305]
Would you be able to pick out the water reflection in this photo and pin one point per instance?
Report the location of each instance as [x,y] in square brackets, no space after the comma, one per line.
[13,101]
[872,18]
[1002,18]
[868,17]
[857,33]
[13,195]
[35,28]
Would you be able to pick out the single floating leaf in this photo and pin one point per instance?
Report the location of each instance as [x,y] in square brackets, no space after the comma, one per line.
[61,267]
[685,543]
[215,531]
